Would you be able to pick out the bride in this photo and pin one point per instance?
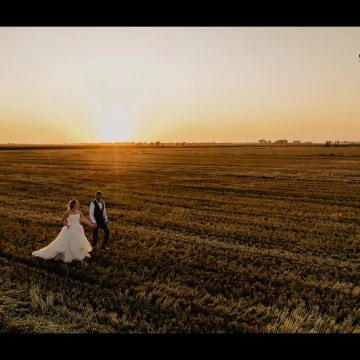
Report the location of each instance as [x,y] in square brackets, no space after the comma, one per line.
[71,243]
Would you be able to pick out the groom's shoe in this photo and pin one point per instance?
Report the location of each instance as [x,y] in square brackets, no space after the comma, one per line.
[104,248]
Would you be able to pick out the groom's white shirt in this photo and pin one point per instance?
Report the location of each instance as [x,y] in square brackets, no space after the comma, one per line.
[92,208]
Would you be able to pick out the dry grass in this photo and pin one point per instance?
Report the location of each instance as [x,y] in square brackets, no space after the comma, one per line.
[225,239]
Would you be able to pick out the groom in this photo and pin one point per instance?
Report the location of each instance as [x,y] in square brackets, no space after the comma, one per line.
[98,216]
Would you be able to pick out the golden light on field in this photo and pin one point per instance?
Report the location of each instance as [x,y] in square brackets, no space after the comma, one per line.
[226,239]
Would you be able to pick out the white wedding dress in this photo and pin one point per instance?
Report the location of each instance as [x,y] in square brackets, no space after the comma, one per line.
[71,243]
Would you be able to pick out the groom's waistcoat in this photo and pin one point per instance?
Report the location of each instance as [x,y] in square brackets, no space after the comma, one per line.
[99,213]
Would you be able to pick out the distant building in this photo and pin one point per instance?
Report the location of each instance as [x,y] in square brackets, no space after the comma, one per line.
[281,142]
[297,142]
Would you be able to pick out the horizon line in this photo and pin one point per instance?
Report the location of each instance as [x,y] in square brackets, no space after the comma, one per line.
[260,142]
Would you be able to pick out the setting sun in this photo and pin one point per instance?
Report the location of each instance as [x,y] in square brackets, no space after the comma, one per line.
[115,125]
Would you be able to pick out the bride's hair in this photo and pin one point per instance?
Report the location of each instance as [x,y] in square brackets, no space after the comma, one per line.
[72,204]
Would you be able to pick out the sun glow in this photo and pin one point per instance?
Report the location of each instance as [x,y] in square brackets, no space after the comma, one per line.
[115,125]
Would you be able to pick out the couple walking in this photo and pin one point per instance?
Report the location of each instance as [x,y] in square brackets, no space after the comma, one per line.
[71,243]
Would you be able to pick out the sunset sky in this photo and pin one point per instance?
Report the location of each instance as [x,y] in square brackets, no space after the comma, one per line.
[174,84]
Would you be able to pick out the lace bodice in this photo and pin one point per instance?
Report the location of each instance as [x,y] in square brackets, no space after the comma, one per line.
[73,219]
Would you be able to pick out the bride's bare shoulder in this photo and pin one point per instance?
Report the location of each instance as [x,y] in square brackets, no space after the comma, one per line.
[66,213]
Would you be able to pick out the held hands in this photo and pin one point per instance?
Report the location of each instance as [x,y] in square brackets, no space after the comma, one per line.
[94,225]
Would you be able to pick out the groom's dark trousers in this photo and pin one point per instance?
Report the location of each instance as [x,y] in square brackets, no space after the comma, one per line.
[102,225]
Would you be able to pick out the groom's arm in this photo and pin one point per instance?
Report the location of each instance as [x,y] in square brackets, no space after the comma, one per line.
[105,216]
[91,213]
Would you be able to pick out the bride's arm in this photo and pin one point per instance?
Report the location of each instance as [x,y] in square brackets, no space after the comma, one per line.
[84,219]
[64,218]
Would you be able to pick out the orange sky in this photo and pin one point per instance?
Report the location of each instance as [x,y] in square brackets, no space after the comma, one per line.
[169,84]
